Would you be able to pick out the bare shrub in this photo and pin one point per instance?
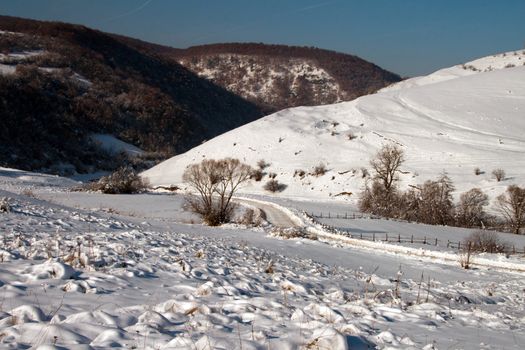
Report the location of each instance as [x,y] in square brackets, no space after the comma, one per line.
[486,242]
[262,164]
[257,175]
[215,182]
[319,170]
[299,172]
[274,186]
[386,165]
[465,258]
[436,206]
[351,136]
[251,217]
[469,211]
[123,181]
[364,173]
[511,206]
[292,232]
[272,175]
[409,205]
[499,174]
[28,192]
[5,207]
[477,171]
[374,199]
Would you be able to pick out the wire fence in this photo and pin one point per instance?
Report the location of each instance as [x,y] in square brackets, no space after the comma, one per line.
[395,238]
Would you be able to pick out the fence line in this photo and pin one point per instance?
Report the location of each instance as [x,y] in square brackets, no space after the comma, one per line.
[393,238]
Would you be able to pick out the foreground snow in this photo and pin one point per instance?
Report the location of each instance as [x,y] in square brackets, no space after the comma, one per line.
[454,120]
[79,273]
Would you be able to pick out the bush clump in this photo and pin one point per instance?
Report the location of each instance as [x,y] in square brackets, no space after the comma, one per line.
[299,172]
[486,242]
[274,186]
[257,175]
[319,170]
[499,174]
[5,207]
[262,164]
[123,181]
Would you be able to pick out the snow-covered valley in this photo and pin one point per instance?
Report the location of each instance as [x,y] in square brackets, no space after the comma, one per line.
[86,270]
[83,270]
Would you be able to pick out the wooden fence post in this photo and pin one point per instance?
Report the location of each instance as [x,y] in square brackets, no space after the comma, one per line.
[436,242]
[374,236]
[412,239]
[398,238]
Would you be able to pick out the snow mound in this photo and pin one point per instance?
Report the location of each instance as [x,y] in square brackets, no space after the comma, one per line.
[50,270]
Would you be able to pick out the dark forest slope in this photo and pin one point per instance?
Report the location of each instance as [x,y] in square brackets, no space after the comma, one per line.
[62,82]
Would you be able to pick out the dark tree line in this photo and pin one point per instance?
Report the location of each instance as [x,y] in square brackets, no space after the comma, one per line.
[140,97]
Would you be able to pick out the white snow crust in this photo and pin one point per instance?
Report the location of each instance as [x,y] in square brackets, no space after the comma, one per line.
[93,271]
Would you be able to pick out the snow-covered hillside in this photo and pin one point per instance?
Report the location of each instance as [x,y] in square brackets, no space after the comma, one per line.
[455,120]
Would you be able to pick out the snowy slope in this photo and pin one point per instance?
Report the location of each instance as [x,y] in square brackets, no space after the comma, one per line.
[113,145]
[453,120]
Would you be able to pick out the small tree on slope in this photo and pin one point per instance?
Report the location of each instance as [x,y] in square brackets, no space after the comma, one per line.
[511,205]
[381,196]
[386,165]
[469,211]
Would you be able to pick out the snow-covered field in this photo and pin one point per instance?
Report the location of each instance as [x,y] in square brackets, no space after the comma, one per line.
[455,120]
[93,271]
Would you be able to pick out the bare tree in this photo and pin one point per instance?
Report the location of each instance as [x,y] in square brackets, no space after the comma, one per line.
[511,205]
[215,182]
[499,174]
[376,200]
[386,165]
[436,206]
[469,211]
[408,207]
[380,196]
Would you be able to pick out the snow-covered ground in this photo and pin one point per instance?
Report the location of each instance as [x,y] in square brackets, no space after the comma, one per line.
[93,271]
[454,120]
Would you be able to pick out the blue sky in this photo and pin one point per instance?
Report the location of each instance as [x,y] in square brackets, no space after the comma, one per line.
[409,37]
